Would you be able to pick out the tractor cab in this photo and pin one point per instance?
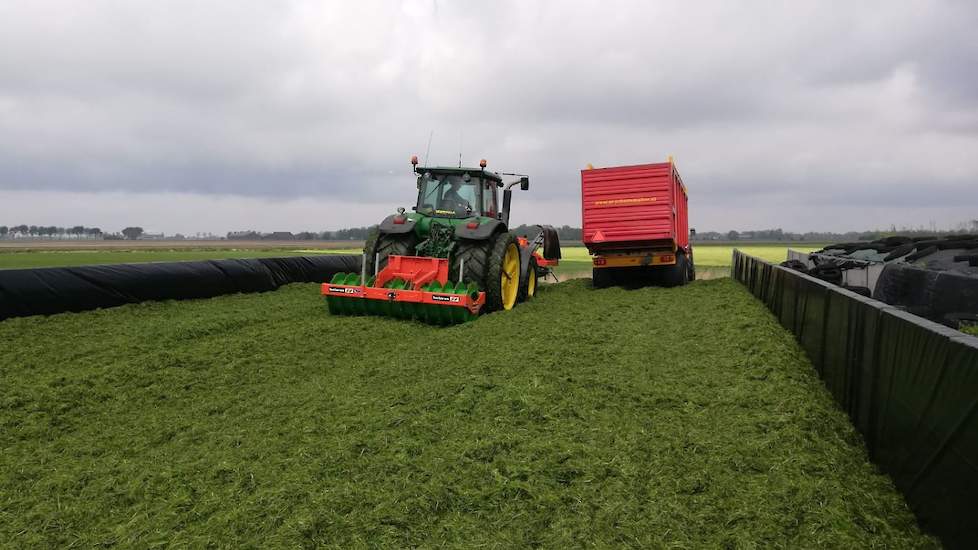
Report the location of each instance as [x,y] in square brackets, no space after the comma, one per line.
[457,192]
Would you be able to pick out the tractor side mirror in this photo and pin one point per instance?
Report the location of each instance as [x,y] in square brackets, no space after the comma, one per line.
[692,232]
[524,183]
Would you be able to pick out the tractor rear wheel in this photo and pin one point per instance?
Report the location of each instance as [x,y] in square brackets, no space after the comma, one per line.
[486,265]
[503,275]
[379,247]
[528,285]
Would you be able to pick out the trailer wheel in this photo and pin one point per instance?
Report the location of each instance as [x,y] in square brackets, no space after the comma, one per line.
[379,247]
[677,274]
[528,286]
[601,278]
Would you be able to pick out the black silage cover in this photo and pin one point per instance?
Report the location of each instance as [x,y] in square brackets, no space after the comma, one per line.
[47,291]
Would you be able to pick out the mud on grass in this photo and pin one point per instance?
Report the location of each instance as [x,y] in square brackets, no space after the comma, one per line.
[681,417]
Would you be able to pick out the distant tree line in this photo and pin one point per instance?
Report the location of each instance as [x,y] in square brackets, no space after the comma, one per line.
[776,235]
[49,231]
[24,231]
[350,234]
[565,232]
[574,234]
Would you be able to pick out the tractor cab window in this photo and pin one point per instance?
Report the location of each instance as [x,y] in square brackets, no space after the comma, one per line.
[489,199]
[448,195]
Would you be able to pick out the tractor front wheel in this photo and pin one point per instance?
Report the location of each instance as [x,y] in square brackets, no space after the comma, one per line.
[473,257]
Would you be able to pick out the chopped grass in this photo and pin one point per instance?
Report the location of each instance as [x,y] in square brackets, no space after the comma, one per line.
[656,418]
[970,329]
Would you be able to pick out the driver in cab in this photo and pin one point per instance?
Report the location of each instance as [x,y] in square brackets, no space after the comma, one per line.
[452,200]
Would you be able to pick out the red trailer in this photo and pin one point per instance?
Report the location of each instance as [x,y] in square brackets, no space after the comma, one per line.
[636,224]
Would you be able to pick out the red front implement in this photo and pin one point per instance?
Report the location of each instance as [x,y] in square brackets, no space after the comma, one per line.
[409,286]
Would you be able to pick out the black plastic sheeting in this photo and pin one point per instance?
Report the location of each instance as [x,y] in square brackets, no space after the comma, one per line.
[908,384]
[59,289]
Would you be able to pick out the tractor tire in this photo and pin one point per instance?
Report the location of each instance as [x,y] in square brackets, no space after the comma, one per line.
[692,266]
[503,273]
[476,256]
[381,246]
[528,284]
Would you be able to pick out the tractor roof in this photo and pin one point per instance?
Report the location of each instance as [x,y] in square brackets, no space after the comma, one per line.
[474,172]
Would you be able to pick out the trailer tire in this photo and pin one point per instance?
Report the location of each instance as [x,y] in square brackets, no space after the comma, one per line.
[380,246]
[677,274]
[601,278]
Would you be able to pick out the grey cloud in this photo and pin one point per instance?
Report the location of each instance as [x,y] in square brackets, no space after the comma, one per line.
[806,102]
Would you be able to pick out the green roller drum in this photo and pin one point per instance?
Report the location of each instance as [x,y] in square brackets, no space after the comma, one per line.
[428,312]
[447,315]
[345,306]
[462,314]
[335,304]
[373,307]
[355,305]
[398,309]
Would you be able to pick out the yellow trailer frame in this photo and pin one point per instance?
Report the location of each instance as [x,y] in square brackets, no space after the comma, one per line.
[635,259]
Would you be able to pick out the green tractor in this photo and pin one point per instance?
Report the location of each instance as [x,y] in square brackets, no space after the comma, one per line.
[454,249]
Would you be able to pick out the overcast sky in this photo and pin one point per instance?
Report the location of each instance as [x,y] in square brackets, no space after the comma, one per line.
[227,115]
